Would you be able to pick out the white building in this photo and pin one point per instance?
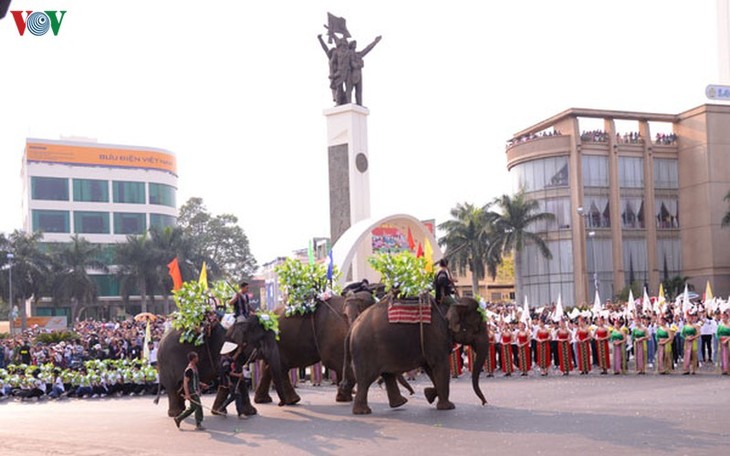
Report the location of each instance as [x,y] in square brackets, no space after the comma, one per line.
[101,192]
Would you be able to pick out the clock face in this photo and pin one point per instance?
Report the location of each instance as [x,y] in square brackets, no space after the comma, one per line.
[361,162]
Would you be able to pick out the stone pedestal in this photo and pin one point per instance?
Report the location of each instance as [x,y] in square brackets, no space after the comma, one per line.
[349,176]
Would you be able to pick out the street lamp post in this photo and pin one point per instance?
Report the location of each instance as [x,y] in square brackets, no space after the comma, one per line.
[10,257]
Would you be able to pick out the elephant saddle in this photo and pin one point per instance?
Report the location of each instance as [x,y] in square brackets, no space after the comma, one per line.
[409,311]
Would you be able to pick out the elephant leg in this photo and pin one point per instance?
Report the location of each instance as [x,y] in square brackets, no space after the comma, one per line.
[219,404]
[175,404]
[441,379]
[262,395]
[245,408]
[345,385]
[404,383]
[360,405]
[430,391]
[395,398]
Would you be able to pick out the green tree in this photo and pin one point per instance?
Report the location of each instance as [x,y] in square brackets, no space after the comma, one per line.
[467,241]
[726,217]
[513,224]
[71,280]
[31,269]
[217,239]
[137,271]
[166,244]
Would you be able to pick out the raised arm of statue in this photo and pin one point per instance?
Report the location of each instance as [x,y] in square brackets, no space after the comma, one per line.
[370,46]
[324,46]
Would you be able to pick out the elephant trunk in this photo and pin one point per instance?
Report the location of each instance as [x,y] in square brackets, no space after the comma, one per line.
[481,347]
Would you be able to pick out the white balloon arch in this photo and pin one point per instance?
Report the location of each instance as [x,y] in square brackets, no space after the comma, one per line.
[352,249]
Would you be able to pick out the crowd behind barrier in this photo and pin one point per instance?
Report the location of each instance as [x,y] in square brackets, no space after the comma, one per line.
[665,138]
[530,137]
[629,138]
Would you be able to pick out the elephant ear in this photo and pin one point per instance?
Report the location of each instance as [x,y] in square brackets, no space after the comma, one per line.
[471,319]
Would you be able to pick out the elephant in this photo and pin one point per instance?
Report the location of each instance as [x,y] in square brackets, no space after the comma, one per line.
[375,347]
[306,340]
[172,357]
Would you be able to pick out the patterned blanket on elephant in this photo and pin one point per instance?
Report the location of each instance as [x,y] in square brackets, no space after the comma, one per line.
[409,312]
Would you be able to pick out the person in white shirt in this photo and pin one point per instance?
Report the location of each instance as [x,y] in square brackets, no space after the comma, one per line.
[708,329]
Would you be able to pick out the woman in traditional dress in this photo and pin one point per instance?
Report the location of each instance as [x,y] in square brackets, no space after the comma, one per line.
[723,334]
[664,336]
[523,349]
[543,348]
[690,332]
[490,364]
[601,336]
[565,351]
[505,353]
[583,337]
[618,341]
[640,336]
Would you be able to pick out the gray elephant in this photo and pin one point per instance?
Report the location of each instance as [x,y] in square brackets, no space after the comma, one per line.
[375,347]
[172,357]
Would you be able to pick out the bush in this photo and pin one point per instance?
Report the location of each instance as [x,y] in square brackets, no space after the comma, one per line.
[56,337]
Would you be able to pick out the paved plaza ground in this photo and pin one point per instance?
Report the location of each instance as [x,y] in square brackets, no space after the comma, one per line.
[535,415]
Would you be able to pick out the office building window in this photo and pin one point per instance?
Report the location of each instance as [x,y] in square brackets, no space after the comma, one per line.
[635,260]
[91,222]
[91,190]
[632,213]
[542,174]
[669,257]
[560,208]
[51,221]
[595,171]
[49,188]
[162,194]
[162,221]
[667,213]
[598,211]
[631,172]
[129,223]
[106,284]
[665,173]
[128,192]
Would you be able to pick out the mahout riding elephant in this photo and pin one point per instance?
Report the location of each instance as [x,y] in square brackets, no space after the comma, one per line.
[172,356]
[376,347]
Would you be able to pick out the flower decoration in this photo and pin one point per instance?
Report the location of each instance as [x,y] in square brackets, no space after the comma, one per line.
[302,283]
[192,304]
[403,273]
[269,320]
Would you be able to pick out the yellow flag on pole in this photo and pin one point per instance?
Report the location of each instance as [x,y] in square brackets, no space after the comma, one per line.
[708,292]
[428,254]
[147,340]
[203,280]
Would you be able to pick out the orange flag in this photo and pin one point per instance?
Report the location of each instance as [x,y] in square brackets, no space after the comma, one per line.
[411,242]
[174,268]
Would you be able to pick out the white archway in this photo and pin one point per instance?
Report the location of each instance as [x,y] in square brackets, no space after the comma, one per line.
[353,248]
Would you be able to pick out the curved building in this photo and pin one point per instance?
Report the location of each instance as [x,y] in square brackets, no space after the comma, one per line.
[101,192]
[617,197]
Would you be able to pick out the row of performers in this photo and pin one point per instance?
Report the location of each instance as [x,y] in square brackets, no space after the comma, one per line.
[587,346]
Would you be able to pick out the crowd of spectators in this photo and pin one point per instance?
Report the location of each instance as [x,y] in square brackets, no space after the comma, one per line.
[533,136]
[665,138]
[96,359]
[594,136]
[629,138]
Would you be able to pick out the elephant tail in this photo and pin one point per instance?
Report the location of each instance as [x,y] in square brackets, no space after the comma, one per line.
[159,391]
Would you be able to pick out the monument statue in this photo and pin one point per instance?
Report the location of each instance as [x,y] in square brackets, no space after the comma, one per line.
[345,61]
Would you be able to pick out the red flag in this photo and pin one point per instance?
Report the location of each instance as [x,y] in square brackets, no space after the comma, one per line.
[411,242]
[419,252]
[174,268]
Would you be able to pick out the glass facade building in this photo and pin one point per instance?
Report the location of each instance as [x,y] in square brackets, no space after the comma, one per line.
[630,206]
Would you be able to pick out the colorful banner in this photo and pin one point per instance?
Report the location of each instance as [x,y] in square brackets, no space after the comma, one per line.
[48,323]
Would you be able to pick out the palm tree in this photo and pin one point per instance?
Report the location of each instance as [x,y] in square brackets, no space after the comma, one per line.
[726,217]
[137,268]
[516,216]
[467,242]
[31,267]
[72,280]
[166,244]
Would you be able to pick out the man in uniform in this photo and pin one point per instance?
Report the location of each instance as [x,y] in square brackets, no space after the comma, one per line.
[192,388]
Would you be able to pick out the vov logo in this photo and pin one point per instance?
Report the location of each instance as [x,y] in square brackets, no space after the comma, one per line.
[38,22]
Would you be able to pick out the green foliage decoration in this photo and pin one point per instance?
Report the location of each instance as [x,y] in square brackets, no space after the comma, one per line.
[403,273]
[269,320]
[192,304]
[55,337]
[302,283]
[222,292]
